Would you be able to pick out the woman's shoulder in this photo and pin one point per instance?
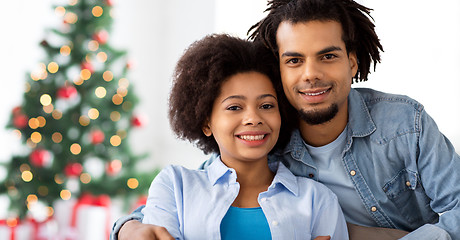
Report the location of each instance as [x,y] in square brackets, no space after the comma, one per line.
[177,170]
[314,188]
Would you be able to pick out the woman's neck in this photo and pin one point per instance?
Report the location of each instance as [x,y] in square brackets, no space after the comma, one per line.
[254,178]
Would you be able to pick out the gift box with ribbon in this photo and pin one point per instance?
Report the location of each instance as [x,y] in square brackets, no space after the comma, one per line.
[87,218]
[14,229]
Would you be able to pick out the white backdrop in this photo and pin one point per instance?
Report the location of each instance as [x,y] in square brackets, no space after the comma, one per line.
[421,59]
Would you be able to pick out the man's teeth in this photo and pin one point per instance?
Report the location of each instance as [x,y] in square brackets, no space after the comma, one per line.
[252,137]
[315,94]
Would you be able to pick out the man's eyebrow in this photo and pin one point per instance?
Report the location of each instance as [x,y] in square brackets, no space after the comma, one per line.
[291,54]
[323,51]
[329,49]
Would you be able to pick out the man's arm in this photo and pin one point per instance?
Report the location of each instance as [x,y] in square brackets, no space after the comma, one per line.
[136,215]
[356,232]
[133,229]
[438,166]
[123,231]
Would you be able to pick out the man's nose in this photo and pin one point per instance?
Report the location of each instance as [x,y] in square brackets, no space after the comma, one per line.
[312,71]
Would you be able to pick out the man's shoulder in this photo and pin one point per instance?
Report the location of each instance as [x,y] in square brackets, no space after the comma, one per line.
[377,100]
[392,115]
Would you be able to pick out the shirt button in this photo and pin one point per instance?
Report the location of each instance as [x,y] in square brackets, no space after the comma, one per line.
[373,209]
[408,183]
[352,172]
[275,223]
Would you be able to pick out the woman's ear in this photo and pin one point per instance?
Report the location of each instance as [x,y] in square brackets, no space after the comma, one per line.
[207,130]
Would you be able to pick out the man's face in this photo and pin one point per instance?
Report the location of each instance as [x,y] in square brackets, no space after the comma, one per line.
[316,70]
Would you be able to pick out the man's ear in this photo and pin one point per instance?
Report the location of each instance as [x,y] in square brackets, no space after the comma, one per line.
[353,59]
[207,130]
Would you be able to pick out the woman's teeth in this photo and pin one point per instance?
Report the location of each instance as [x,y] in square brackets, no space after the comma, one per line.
[252,137]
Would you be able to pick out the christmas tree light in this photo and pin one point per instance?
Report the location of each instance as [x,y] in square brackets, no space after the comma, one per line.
[76,115]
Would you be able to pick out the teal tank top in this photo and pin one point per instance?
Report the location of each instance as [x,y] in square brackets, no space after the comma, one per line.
[244,224]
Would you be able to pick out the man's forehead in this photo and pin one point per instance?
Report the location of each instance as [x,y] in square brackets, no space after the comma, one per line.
[309,35]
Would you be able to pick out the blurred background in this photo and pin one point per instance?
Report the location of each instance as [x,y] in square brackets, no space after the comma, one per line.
[421,40]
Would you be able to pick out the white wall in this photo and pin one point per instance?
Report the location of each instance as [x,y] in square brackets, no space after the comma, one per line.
[421,41]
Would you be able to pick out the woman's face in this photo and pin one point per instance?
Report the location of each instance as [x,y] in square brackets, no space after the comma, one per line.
[245,119]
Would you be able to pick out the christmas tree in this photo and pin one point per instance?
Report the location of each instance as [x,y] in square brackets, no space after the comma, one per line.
[76,115]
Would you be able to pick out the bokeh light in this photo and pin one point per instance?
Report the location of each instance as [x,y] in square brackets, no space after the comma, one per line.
[132,183]
[45,99]
[97,11]
[75,149]
[65,194]
[100,92]
[115,140]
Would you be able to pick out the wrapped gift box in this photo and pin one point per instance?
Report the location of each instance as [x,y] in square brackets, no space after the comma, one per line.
[87,218]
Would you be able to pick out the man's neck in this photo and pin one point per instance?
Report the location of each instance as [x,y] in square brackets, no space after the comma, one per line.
[322,134]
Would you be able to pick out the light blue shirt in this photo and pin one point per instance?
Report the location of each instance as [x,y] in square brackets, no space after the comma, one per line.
[331,172]
[404,169]
[191,204]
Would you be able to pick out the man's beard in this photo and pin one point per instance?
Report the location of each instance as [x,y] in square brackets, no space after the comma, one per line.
[315,117]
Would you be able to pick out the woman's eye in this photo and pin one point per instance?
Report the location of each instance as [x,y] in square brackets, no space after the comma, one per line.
[267,106]
[233,108]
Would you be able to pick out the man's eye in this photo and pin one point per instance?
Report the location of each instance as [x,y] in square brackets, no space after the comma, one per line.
[329,56]
[293,61]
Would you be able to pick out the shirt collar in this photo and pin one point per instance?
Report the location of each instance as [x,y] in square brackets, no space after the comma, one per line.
[361,123]
[284,177]
[217,170]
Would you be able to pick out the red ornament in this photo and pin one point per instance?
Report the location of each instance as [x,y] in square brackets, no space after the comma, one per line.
[67,92]
[87,65]
[73,169]
[20,120]
[101,36]
[138,121]
[40,157]
[44,43]
[129,65]
[97,136]
[114,167]
[17,110]
[109,2]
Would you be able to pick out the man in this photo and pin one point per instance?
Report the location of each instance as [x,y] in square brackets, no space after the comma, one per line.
[381,154]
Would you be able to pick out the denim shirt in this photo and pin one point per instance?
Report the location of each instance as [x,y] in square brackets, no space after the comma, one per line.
[404,170]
